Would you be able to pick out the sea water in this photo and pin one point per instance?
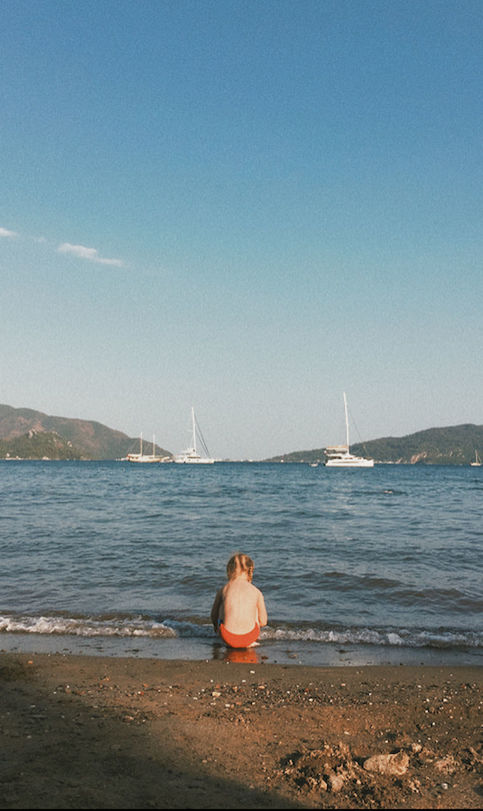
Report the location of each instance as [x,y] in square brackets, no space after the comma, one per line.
[367,566]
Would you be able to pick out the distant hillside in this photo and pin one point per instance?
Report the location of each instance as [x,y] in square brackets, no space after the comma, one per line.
[34,435]
[454,445]
[35,445]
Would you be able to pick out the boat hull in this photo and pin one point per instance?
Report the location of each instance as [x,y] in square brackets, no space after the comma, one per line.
[201,461]
[192,457]
[355,462]
[146,460]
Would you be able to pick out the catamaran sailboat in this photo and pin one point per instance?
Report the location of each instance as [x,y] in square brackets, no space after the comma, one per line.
[340,455]
[191,456]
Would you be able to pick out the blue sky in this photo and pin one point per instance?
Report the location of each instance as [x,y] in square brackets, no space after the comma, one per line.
[249,207]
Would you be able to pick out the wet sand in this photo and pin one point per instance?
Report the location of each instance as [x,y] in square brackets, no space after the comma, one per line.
[104,732]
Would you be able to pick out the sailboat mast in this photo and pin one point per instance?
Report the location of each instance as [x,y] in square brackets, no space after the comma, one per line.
[194,426]
[346,422]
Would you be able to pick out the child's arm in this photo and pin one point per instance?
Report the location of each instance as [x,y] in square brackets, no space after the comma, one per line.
[215,609]
[261,610]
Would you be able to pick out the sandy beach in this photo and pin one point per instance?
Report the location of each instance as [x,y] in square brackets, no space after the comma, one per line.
[92,732]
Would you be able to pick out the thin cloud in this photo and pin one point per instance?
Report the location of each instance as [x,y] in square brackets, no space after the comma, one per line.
[81,251]
[91,254]
[4,232]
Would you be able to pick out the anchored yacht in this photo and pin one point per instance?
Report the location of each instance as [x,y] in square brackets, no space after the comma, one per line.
[191,456]
[340,455]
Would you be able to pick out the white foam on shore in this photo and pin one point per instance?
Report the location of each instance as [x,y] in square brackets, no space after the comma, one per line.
[141,627]
[84,627]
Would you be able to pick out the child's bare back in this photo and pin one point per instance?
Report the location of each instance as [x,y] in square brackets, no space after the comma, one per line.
[239,606]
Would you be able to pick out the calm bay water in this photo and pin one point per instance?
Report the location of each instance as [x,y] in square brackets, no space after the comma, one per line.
[357,566]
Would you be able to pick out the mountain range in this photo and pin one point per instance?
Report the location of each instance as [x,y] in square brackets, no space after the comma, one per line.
[453,445]
[30,434]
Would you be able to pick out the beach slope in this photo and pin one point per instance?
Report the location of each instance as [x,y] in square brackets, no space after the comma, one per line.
[92,732]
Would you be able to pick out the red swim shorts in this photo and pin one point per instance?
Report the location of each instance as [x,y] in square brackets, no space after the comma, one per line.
[239,640]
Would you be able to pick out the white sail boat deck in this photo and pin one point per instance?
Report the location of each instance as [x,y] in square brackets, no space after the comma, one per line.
[340,455]
[191,456]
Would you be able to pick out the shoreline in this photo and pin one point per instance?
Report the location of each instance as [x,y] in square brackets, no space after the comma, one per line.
[291,652]
[83,731]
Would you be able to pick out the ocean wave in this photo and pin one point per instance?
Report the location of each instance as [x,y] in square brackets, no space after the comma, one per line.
[407,638]
[87,627]
[136,627]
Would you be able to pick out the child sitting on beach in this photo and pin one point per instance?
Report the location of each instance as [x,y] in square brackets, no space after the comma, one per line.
[238,611]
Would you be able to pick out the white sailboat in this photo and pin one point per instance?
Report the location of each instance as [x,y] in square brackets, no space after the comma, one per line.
[191,456]
[144,457]
[340,455]
[477,462]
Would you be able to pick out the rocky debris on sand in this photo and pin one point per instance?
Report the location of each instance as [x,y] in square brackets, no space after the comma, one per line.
[333,769]
[325,769]
[388,764]
[446,765]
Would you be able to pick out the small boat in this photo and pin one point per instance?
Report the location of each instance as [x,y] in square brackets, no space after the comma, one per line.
[191,456]
[477,462]
[340,455]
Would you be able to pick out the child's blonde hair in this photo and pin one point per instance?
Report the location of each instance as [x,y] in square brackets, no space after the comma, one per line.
[238,564]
